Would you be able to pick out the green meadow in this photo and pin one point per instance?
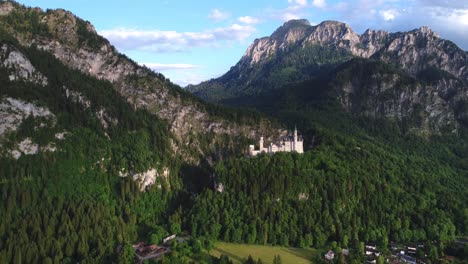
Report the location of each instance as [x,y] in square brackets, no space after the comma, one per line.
[238,252]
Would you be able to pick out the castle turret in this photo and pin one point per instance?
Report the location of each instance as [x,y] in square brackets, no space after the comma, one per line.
[295,133]
[251,150]
[261,144]
[295,138]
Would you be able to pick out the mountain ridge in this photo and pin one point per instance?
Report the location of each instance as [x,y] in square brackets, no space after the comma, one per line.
[297,52]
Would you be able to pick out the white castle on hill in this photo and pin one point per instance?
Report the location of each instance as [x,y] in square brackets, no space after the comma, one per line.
[287,144]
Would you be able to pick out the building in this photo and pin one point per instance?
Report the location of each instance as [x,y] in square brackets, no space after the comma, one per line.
[144,251]
[169,238]
[408,259]
[291,143]
[330,255]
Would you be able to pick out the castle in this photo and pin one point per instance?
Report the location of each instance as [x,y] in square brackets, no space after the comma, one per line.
[286,144]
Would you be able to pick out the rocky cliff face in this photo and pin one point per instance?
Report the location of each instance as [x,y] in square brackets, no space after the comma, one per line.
[370,88]
[298,51]
[76,44]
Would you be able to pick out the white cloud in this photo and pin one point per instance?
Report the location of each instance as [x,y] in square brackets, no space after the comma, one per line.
[458,16]
[173,41]
[218,15]
[460,4]
[158,67]
[296,9]
[248,20]
[189,78]
[289,16]
[298,2]
[389,14]
[319,3]
[182,74]
[234,32]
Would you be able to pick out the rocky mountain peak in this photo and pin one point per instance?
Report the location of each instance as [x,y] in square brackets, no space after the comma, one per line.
[293,23]
[333,32]
[6,8]
[291,31]
[332,23]
[424,30]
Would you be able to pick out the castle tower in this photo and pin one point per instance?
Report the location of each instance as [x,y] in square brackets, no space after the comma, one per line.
[295,138]
[251,150]
[261,144]
[295,134]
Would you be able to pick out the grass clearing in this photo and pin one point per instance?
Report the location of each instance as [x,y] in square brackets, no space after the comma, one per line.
[238,252]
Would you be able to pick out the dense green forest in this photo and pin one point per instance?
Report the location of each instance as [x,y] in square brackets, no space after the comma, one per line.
[362,179]
[71,205]
[350,188]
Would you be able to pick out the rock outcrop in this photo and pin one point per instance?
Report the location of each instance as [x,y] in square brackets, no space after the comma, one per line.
[20,68]
[14,111]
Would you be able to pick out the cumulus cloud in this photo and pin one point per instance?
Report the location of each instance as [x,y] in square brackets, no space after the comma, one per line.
[248,20]
[298,2]
[319,3]
[233,32]
[389,14]
[296,9]
[444,3]
[218,15]
[289,16]
[172,41]
[458,16]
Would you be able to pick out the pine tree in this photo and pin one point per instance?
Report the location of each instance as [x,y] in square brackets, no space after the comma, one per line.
[277,259]
[18,257]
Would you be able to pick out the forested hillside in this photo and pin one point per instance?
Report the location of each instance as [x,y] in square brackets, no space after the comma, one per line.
[69,204]
[357,184]
[85,171]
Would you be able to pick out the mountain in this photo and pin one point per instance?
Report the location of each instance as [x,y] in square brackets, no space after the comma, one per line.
[378,74]
[97,152]
[76,44]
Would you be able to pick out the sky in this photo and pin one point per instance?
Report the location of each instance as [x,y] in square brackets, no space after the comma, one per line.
[192,41]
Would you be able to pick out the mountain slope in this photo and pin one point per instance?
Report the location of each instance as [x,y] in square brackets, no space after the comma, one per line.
[76,44]
[96,152]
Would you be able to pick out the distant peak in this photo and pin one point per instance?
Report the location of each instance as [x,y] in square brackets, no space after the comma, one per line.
[6,7]
[332,23]
[288,26]
[296,22]
[426,31]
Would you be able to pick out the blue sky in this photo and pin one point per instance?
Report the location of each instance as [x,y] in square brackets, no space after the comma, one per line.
[192,41]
